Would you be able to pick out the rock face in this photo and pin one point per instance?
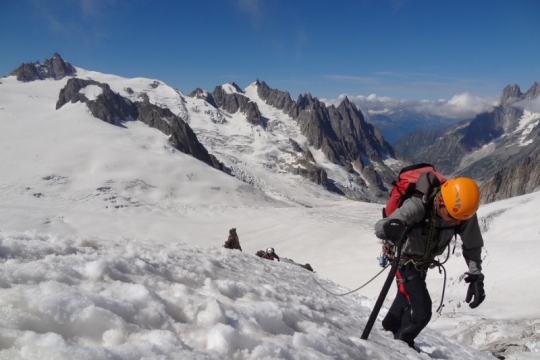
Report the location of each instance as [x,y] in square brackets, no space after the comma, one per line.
[479,147]
[276,98]
[108,106]
[234,102]
[54,68]
[306,166]
[199,93]
[340,132]
[113,108]
[519,179]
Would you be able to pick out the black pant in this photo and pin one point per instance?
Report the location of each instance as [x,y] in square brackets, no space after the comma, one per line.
[411,310]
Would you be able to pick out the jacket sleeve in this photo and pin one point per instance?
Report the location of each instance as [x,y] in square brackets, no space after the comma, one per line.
[470,234]
[411,212]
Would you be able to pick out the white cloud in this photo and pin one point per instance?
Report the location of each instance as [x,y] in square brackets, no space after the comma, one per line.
[530,105]
[459,106]
[462,105]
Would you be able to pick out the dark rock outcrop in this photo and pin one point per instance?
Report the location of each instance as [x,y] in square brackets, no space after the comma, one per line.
[113,108]
[199,93]
[306,166]
[279,99]
[234,102]
[109,106]
[54,68]
[519,179]
[510,94]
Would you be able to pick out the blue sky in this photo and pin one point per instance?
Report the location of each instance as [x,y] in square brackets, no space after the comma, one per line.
[403,49]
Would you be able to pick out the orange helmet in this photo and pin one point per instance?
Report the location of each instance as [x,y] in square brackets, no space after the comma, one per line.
[461,197]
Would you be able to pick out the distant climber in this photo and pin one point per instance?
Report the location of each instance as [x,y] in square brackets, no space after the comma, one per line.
[271,254]
[233,242]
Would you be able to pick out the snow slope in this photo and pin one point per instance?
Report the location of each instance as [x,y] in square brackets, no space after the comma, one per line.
[92,298]
[91,212]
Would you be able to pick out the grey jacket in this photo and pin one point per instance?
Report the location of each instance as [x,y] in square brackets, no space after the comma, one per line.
[413,212]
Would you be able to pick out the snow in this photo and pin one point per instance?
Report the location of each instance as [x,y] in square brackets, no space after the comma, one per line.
[84,297]
[229,89]
[527,123]
[110,246]
[91,92]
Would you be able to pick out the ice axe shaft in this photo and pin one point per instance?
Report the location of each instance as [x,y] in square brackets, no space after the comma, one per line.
[385,288]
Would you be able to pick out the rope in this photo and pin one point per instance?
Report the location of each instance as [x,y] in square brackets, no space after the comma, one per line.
[350,292]
[441,305]
[440,265]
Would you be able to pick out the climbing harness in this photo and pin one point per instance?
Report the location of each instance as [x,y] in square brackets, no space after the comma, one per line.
[432,264]
[428,259]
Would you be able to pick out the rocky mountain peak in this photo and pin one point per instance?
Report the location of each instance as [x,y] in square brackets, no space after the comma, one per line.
[279,99]
[199,93]
[234,102]
[510,94]
[53,68]
[347,104]
[533,92]
[237,88]
[341,133]
[480,147]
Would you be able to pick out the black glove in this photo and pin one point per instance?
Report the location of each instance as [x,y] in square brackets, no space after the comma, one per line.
[393,230]
[476,290]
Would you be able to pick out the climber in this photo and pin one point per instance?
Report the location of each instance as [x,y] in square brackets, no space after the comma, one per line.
[271,254]
[432,217]
[233,242]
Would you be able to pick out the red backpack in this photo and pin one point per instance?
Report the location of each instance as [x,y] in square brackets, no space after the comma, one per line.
[405,186]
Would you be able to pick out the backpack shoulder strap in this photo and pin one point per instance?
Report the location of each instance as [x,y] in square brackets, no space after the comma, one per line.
[428,184]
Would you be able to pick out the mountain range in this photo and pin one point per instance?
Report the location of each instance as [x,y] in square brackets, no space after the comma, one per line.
[352,157]
[481,146]
[355,160]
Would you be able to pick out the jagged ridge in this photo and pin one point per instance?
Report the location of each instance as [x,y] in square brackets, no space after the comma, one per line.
[340,132]
[54,68]
[112,108]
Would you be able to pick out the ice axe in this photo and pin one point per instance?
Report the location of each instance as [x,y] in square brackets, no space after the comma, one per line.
[385,288]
